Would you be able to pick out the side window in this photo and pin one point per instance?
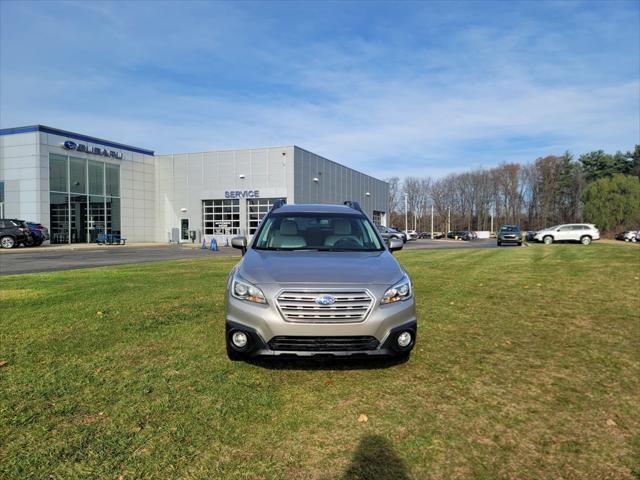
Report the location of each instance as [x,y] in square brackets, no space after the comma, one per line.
[2,224]
[566,228]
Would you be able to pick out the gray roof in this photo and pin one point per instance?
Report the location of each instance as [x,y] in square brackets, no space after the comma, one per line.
[317,208]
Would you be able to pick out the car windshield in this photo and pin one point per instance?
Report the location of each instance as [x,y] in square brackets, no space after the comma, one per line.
[317,231]
[510,228]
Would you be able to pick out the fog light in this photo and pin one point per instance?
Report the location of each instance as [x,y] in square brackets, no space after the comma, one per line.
[239,339]
[404,339]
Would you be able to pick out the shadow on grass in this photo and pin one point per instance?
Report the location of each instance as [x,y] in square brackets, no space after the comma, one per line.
[326,363]
[375,459]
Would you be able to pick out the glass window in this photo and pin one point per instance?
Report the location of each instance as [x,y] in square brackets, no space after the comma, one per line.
[257,209]
[96,178]
[58,173]
[78,224]
[112,213]
[112,176]
[59,211]
[221,217]
[95,217]
[77,175]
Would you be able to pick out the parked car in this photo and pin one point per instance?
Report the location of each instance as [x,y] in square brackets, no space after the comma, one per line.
[13,232]
[468,235]
[304,291]
[531,235]
[388,233]
[411,234]
[37,234]
[455,234]
[628,235]
[509,234]
[584,233]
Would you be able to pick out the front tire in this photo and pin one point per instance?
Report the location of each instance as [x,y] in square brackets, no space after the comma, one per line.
[499,243]
[519,244]
[7,242]
[586,240]
[548,240]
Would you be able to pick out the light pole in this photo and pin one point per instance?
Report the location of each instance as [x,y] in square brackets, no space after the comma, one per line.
[432,221]
[406,211]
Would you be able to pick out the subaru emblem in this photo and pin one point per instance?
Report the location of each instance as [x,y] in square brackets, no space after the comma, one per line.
[69,145]
[325,300]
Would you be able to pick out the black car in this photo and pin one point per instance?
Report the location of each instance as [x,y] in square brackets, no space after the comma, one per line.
[509,234]
[468,235]
[13,232]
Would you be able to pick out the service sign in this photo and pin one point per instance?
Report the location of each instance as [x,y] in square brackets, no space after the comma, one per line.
[242,194]
[81,147]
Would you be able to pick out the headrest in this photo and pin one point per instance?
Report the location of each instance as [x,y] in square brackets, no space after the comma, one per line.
[288,227]
[341,226]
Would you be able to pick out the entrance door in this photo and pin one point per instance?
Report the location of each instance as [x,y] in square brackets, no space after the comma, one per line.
[184,229]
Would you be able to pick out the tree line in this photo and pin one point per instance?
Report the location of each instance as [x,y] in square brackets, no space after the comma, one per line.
[598,188]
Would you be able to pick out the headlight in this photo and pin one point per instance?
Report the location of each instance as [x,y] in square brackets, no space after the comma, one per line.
[243,290]
[400,291]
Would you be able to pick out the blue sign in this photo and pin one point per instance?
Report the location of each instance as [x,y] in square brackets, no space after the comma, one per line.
[242,194]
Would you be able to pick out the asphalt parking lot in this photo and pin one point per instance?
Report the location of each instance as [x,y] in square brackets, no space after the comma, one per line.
[49,259]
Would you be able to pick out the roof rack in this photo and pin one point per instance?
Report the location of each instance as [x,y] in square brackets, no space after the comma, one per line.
[278,203]
[354,205]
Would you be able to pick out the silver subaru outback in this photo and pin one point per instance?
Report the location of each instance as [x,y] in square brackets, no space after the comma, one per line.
[318,280]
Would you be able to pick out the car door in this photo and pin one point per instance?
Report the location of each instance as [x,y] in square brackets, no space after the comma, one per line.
[579,231]
[565,232]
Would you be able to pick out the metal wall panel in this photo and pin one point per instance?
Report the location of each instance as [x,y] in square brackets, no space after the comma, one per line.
[336,183]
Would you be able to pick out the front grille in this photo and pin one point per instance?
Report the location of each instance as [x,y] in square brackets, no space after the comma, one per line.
[301,306]
[323,344]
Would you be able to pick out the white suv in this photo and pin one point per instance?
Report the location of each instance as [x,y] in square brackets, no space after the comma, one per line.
[575,232]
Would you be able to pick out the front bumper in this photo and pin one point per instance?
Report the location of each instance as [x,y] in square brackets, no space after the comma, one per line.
[510,239]
[270,334]
[324,346]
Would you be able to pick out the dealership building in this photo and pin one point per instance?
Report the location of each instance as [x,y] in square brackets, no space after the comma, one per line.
[80,187]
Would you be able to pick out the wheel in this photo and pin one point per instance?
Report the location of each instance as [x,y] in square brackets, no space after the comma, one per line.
[586,240]
[634,240]
[7,242]
[548,240]
[519,244]
[499,243]
[30,242]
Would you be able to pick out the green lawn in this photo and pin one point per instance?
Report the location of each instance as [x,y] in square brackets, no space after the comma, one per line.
[527,366]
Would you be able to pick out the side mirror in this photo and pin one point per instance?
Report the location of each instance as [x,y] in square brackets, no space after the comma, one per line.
[395,244]
[240,243]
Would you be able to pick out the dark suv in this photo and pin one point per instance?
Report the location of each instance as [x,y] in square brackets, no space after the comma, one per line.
[509,234]
[13,232]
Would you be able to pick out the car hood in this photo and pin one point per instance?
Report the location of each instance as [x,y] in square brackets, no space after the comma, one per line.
[304,267]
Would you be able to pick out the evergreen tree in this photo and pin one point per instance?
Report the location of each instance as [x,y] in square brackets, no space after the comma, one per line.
[613,202]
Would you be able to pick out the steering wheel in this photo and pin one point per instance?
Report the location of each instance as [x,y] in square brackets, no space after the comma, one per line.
[347,242]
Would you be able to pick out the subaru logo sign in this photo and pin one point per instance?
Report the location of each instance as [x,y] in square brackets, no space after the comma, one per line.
[69,145]
[325,300]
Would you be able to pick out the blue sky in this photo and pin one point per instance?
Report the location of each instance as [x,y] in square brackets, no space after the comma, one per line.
[390,88]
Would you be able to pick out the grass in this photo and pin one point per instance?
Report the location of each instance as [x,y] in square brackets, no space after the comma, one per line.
[527,367]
